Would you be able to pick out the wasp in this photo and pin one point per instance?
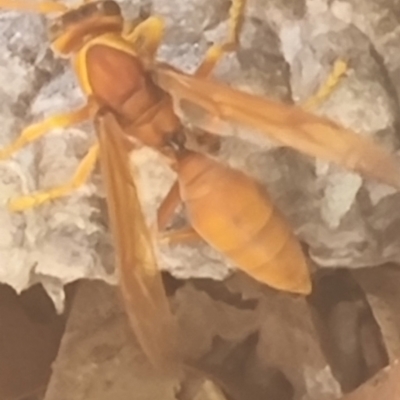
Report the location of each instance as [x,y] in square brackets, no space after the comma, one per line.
[130,98]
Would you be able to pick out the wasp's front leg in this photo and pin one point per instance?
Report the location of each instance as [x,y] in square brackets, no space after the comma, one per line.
[146,38]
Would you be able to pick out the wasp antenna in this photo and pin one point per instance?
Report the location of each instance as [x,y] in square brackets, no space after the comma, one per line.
[42,7]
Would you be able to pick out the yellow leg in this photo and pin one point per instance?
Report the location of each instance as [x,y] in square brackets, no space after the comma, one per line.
[215,52]
[131,25]
[42,7]
[339,70]
[35,131]
[213,55]
[80,177]
[236,14]
[164,215]
[146,37]
[182,235]
[168,206]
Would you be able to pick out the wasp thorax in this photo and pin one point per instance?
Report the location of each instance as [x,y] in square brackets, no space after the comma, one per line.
[73,27]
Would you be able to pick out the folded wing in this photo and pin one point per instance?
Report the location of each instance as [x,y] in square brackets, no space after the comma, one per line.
[140,279]
[289,125]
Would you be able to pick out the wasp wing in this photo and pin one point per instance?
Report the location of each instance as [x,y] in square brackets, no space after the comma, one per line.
[287,124]
[140,279]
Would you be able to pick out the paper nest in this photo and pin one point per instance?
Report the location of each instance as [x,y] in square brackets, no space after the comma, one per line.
[345,221]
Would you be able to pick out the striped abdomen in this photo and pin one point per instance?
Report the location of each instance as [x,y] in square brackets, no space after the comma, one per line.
[233,214]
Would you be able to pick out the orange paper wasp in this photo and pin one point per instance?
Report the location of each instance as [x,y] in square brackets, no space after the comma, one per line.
[130,98]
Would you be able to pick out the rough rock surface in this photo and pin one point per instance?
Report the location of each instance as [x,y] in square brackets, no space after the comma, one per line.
[252,342]
[382,292]
[384,385]
[98,357]
[287,50]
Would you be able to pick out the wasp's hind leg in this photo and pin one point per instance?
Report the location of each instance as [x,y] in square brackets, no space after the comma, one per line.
[339,70]
[164,216]
[181,235]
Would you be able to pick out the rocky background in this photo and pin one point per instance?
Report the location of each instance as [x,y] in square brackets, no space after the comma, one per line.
[314,349]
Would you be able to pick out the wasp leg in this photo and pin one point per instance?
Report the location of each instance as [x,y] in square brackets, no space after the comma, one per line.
[42,7]
[215,52]
[185,234]
[213,55]
[80,177]
[164,215]
[338,71]
[130,25]
[35,131]
[146,37]
[236,14]
[168,207]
